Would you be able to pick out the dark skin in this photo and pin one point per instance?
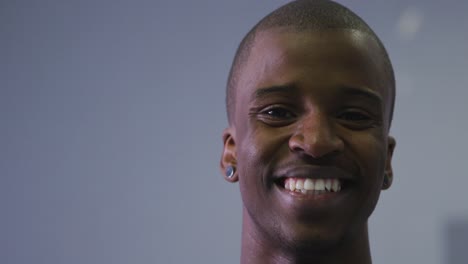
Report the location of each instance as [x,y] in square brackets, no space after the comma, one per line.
[309,105]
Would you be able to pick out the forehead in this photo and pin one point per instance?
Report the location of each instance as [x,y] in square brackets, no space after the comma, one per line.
[311,59]
[281,55]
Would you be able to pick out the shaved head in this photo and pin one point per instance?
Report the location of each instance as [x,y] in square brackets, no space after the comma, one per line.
[304,16]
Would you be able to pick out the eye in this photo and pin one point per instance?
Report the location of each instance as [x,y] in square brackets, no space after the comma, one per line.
[357,119]
[276,116]
[354,116]
[278,112]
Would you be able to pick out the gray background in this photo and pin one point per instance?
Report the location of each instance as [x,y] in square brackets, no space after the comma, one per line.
[111,116]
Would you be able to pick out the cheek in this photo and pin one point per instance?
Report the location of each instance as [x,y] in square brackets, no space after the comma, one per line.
[370,154]
[252,157]
[251,167]
[369,151]
[258,153]
[261,147]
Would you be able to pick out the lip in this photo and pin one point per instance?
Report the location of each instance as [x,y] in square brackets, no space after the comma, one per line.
[313,172]
[314,202]
[314,205]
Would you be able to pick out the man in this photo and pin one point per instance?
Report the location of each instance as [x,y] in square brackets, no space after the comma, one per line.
[310,100]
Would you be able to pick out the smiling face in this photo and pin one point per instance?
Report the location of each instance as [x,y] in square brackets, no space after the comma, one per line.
[309,136]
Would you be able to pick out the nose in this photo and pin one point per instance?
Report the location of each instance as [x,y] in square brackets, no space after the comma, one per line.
[315,136]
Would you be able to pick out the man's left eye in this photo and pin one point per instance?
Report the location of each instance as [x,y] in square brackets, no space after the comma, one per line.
[358,120]
[354,116]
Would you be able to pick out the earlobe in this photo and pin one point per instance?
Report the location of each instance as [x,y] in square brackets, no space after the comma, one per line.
[228,162]
[388,174]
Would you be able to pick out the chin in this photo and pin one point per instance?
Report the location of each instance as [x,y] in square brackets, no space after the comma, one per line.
[316,238]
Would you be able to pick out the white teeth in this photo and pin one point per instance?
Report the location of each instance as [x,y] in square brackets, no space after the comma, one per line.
[336,185]
[320,185]
[300,184]
[309,184]
[292,185]
[328,184]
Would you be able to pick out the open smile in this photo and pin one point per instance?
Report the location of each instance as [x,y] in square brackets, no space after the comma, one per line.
[312,186]
[314,183]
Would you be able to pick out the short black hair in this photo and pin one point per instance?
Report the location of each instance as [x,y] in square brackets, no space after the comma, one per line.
[303,15]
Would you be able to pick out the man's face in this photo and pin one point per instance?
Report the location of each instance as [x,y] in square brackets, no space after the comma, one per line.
[310,111]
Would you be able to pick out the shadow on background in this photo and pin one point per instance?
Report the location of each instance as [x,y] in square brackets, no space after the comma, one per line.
[456,241]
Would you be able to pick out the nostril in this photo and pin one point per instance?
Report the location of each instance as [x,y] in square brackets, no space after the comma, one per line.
[296,143]
[316,146]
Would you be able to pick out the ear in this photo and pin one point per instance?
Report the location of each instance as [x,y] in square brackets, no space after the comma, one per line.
[388,176]
[228,157]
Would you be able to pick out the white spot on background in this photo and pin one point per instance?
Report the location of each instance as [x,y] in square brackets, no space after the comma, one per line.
[410,23]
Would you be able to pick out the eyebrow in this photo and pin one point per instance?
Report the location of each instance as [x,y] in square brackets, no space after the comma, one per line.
[361,91]
[342,89]
[284,89]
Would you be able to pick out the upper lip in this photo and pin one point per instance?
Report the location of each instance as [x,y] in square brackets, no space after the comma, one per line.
[313,172]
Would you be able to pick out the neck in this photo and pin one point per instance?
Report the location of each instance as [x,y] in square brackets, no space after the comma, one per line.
[259,249]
